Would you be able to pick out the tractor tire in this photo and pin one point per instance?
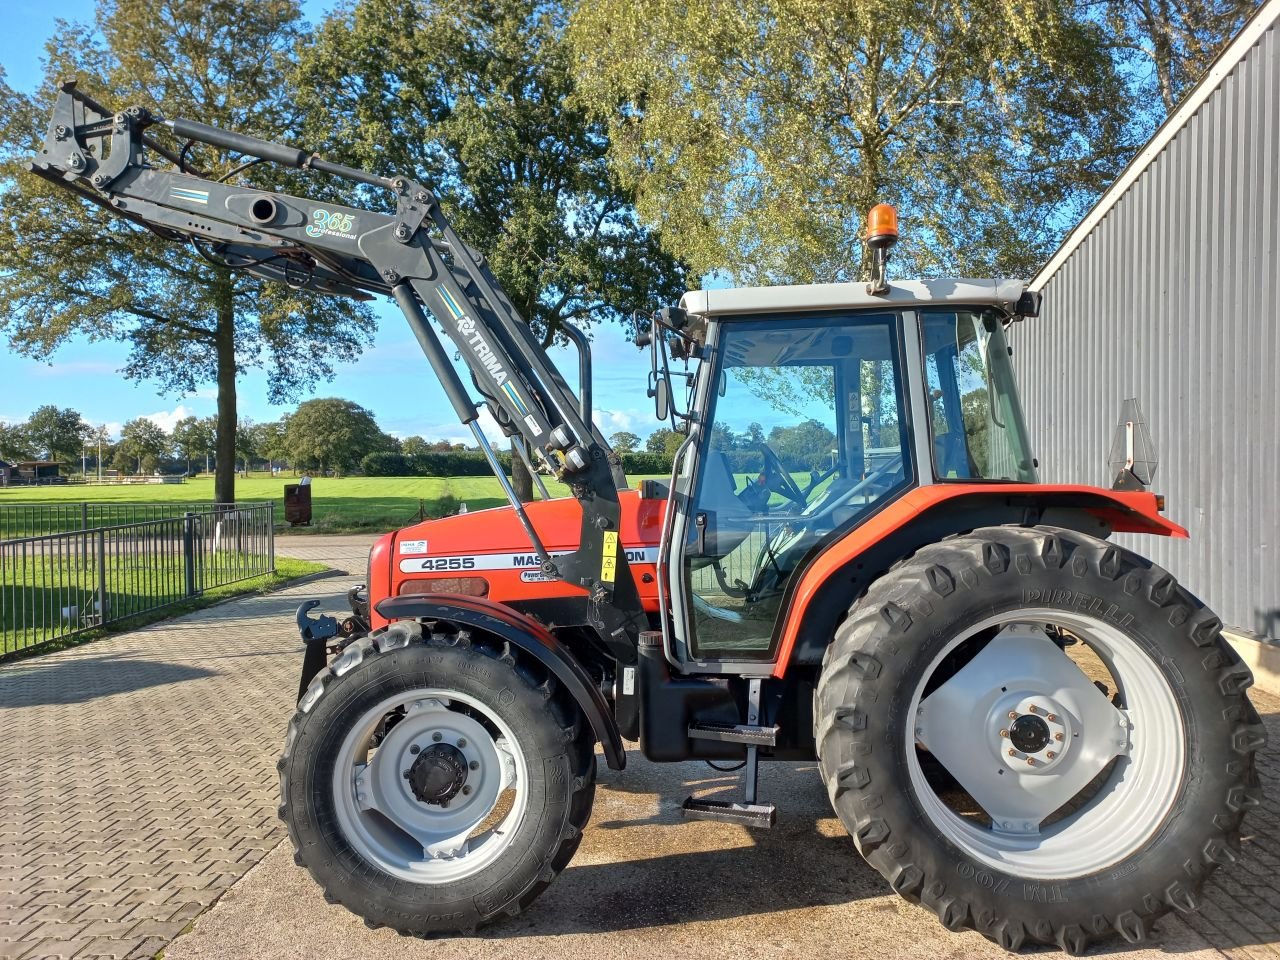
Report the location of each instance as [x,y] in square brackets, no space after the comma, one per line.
[1182,689]
[409,740]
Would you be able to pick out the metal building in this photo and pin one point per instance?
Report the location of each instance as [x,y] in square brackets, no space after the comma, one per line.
[1169,291]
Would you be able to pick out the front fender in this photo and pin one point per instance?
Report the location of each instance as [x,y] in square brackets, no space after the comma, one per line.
[842,567]
[529,636]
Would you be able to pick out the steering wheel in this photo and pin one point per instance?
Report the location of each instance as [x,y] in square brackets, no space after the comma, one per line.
[778,479]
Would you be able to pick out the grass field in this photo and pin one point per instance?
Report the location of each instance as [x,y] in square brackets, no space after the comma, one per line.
[349,504]
[32,610]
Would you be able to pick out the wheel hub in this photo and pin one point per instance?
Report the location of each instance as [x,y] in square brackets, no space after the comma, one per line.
[1031,732]
[438,774]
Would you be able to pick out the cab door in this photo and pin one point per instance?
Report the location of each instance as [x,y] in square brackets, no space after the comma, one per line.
[800,433]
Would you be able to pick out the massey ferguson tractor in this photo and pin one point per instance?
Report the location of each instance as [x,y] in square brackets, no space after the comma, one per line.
[1030,731]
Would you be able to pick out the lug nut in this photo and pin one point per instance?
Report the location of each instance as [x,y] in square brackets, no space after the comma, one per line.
[1050,754]
[1031,761]
[437,737]
[474,764]
[1012,753]
[406,774]
[1052,717]
[466,790]
[1013,714]
[1058,737]
[462,742]
[1004,733]
[415,748]
[1033,709]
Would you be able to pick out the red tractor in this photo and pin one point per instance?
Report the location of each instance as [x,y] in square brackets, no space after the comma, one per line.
[1030,731]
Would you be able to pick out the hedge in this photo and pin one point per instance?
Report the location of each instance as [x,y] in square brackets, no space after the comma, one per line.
[472,463]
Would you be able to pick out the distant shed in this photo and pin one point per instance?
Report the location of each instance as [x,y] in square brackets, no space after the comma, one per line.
[1169,291]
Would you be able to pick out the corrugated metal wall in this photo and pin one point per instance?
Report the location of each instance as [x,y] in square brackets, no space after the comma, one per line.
[1174,298]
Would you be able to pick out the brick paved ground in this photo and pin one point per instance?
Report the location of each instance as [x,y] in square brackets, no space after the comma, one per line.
[645,884]
[137,778]
[349,553]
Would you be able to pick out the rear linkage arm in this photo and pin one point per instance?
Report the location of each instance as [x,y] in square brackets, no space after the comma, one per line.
[415,257]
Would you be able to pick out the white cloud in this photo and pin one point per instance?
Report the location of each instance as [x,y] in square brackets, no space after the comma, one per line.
[640,421]
[166,420]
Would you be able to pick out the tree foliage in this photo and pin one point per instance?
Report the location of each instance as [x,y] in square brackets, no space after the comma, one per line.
[624,441]
[1165,45]
[143,443]
[757,134]
[664,442]
[194,437]
[475,96]
[14,443]
[333,434]
[69,269]
[57,434]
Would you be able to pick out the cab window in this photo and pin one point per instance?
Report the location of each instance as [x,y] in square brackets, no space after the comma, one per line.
[805,435]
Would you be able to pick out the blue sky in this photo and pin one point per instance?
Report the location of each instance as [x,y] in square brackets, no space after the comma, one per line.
[391,379]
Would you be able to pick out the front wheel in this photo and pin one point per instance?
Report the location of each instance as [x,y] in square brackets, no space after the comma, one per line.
[1037,735]
[433,782]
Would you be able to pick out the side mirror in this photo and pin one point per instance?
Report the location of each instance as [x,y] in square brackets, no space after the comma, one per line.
[662,397]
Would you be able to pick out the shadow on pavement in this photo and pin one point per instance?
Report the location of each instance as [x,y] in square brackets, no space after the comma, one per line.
[81,679]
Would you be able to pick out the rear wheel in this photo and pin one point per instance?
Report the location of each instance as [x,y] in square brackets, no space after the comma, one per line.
[431,783]
[1038,735]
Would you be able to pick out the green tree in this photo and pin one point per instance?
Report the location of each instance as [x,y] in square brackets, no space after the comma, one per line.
[14,442]
[269,441]
[624,441]
[56,434]
[194,437]
[1165,45]
[664,441]
[804,446]
[246,443]
[758,134]
[476,97]
[412,446]
[68,269]
[143,443]
[332,434]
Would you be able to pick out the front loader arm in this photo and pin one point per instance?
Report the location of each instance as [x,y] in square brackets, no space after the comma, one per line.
[414,256]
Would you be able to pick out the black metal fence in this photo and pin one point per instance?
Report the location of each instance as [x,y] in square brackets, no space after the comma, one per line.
[37,519]
[59,584]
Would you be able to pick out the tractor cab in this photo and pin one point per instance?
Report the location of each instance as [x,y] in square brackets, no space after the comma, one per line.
[807,410]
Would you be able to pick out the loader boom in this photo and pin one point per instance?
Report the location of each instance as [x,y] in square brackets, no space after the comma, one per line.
[415,257]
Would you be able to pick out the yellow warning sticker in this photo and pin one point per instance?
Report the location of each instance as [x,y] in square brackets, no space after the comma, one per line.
[609,563]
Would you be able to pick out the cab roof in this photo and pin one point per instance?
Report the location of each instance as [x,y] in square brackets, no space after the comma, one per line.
[1002,294]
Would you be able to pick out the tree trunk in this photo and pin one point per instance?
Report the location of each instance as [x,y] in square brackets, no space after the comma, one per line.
[521,479]
[224,483]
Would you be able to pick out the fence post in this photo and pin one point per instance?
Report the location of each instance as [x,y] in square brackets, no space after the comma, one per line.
[271,536]
[102,576]
[189,551]
[84,515]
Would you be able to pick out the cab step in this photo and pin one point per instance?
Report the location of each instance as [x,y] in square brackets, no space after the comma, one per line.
[745,733]
[760,816]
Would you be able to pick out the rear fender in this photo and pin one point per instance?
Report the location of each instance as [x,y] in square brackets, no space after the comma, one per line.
[532,638]
[821,593]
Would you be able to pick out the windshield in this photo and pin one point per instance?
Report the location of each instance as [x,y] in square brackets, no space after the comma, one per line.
[976,420]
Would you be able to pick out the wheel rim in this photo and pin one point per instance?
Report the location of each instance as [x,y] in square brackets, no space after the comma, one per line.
[994,724]
[430,786]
